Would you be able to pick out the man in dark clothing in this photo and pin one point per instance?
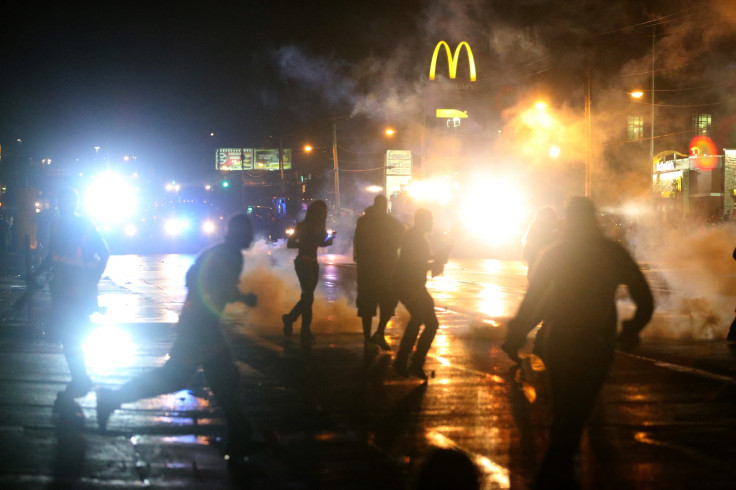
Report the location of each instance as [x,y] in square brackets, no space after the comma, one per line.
[572,289]
[410,284]
[212,282]
[375,251]
[76,259]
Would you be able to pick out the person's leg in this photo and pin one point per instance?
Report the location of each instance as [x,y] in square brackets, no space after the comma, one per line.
[387,306]
[223,377]
[428,317]
[574,386]
[411,331]
[71,327]
[308,280]
[367,322]
[289,319]
[170,377]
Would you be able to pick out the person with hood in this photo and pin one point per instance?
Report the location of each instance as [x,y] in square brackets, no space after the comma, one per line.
[212,282]
[308,236]
[573,290]
[375,251]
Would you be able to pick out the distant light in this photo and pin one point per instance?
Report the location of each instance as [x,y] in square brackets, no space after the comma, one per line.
[131,230]
[541,106]
[289,231]
[390,132]
[177,226]
[308,148]
[554,152]
[212,134]
[208,227]
[225,183]
[208,187]
[374,188]
[637,94]
[126,158]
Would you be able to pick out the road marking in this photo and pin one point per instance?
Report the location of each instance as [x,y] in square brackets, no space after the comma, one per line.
[682,369]
[498,476]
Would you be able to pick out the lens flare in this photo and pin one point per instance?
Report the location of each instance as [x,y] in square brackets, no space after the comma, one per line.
[110,198]
[108,346]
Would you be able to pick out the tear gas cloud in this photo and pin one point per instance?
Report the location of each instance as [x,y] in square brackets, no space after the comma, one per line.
[514,49]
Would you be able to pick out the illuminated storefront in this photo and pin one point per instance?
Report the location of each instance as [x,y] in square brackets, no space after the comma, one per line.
[699,187]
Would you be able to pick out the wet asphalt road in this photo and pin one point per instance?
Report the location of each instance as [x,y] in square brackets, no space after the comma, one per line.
[334,416]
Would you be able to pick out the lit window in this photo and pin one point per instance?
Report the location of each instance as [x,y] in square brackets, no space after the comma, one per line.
[635,128]
[701,123]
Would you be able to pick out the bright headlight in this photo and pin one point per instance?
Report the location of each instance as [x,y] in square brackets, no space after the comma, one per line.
[110,199]
[176,226]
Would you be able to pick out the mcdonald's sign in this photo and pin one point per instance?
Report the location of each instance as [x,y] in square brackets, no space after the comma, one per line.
[452,59]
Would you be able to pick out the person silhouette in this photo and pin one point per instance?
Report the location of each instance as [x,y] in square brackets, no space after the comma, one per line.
[212,282]
[410,284]
[446,468]
[573,290]
[731,337]
[308,236]
[76,259]
[376,244]
[542,231]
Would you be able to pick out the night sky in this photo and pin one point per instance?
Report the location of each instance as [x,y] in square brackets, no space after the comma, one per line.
[154,79]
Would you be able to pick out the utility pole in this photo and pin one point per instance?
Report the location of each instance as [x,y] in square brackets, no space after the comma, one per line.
[651,134]
[588,128]
[334,160]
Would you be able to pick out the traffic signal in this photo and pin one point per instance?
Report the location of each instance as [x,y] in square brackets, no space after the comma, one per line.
[225,184]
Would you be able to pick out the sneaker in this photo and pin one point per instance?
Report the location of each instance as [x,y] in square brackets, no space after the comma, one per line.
[106,405]
[380,341]
[400,369]
[416,370]
[288,329]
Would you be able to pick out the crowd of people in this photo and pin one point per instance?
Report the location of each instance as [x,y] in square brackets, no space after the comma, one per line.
[573,273]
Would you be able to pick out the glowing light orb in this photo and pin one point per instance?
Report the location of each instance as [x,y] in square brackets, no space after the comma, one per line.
[209,227]
[703,153]
[108,346]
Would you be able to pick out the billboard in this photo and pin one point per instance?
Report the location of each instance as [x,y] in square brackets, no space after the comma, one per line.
[234,159]
[398,170]
[239,159]
[268,159]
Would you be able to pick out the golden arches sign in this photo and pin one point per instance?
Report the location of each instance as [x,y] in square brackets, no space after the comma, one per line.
[452,59]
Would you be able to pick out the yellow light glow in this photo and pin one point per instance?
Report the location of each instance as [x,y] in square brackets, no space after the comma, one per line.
[541,106]
[637,94]
[308,148]
[437,191]
[554,151]
[390,132]
[495,209]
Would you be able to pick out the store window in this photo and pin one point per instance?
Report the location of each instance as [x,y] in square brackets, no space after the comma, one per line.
[701,123]
[635,128]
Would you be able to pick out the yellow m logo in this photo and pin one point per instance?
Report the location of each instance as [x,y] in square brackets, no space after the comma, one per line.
[452,59]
